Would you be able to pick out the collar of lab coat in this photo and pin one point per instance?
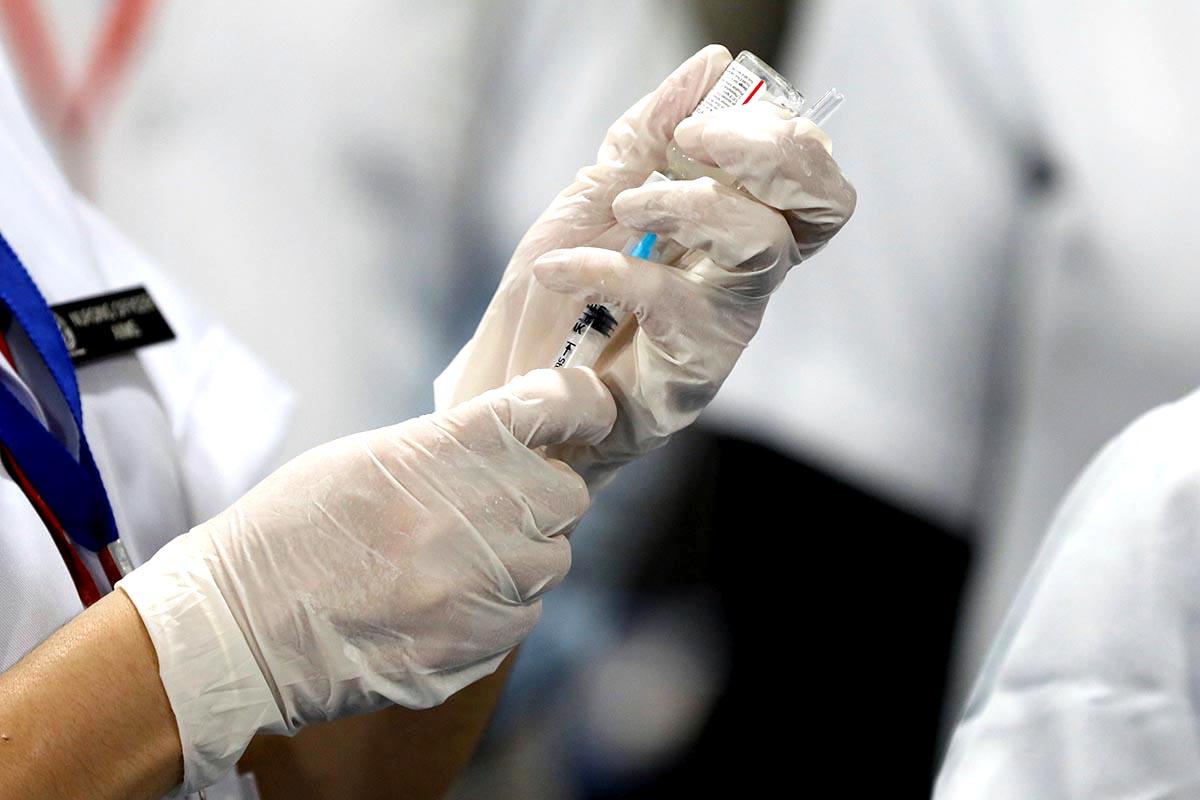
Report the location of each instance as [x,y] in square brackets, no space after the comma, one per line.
[227,413]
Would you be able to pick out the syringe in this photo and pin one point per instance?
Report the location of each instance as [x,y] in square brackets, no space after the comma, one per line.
[596,324]
[746,78]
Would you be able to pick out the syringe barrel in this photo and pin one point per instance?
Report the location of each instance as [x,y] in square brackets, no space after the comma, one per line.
[589,336]
[596,325]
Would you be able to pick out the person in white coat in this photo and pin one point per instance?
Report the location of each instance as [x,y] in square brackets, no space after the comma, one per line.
[1090,688]
[178,430]
[374,274]
[395,566]
[1016,287]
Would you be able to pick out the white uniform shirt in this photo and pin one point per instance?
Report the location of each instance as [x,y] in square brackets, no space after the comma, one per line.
[973,337]
[1091,688]
[178,430]
[385,157]
[325,142]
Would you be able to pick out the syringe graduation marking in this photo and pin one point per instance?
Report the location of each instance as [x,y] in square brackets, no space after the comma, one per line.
[597,317]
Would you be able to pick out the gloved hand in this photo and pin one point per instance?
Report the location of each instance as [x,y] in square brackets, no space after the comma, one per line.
[393,566]
[695,316]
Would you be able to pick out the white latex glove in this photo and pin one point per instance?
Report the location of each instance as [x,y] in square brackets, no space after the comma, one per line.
[1090,690]
[393,566]
[692,325]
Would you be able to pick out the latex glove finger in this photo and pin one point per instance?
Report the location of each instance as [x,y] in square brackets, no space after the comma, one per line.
[732,229]
[785,163]
[637,141]
[757,120]
[673,308]
[534,567]
[544,407]
[461,655]
[551,406]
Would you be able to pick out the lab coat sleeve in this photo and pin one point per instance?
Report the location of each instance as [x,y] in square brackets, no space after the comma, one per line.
[1091,689]
[227,411]
[875,352]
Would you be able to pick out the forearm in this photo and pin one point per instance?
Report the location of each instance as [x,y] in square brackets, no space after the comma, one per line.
[85,714]
[397,752]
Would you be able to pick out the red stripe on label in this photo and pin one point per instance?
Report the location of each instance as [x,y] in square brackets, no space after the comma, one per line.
[753,92]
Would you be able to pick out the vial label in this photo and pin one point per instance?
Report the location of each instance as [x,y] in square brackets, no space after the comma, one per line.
[736,86]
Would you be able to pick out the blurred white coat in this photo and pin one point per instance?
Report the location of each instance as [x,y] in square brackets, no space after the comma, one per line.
[179,430]
[369,165]
[294,165]
[1090,690]
[1020,279]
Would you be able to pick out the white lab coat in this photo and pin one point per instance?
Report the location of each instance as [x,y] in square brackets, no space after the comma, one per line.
[976,332]
[1091,690]
[567,71]
[370,164]
[178,430]
[325,142]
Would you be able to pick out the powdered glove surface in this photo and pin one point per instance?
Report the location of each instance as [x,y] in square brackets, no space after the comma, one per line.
[694,314]
[393,566]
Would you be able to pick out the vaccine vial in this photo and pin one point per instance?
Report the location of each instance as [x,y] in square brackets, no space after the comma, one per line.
[747,78]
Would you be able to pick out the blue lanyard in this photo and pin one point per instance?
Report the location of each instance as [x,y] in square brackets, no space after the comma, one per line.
[72,488]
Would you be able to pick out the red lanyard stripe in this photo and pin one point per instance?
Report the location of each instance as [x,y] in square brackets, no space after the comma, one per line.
[89,592]
[85,585]
[33,51]
[72,113]
[6,351]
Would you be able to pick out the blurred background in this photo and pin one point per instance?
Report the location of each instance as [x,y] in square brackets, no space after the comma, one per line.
[801,589]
